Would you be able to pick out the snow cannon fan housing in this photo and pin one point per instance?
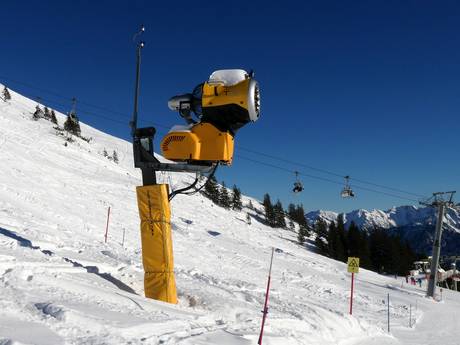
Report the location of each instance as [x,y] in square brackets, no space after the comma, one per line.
[226,102]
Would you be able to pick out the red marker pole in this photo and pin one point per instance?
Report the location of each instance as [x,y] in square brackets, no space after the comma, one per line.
[107,226]
[351,297]
[265,311]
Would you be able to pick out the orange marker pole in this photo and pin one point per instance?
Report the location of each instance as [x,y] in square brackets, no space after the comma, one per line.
[351,297]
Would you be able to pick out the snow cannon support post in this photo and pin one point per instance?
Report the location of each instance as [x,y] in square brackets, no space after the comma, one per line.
[157,253]
[154,208]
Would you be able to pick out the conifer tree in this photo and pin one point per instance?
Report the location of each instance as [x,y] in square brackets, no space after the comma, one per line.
[268,208]
[104,153]
[300,237]
[278,211]
[342,244]
[250,205]
[292,211]
[115,156]
[321,236]
[211,190]
[365,254]
[224,199]
[297,214]
[53,118]
[46,114]
[237,204]
[354,241]
[335,244]
[72,124]
[302,234]
[38,114]
[6,94]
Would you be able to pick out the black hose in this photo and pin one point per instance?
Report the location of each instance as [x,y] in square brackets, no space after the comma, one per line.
[182,190]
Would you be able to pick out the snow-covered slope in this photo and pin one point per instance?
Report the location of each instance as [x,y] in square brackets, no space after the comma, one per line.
[61,284]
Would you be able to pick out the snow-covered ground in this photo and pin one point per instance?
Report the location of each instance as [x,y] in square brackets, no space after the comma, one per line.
[61,284]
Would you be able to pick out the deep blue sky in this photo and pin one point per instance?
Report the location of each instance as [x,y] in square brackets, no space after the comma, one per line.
[365,88]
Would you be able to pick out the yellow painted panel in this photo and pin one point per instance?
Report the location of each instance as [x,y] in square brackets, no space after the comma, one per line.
[181,146]
[218,94]
[353,265]
[204,143]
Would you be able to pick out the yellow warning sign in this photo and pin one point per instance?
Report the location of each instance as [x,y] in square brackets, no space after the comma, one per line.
[353,265]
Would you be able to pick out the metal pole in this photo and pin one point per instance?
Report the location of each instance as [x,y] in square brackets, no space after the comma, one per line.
[107,226]
[351,296]
[123,241]
[388,312]
[436,251]
[136,89]
[265,311]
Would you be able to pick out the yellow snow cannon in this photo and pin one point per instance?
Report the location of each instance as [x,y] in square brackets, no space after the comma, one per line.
[226,102]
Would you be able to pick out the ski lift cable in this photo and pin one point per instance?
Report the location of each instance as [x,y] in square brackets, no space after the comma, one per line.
[295,163]
[327,171]
[91,105]
[325,179]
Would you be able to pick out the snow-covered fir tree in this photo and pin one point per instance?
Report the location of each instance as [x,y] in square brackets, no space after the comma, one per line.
[269,212]
[279,219]
[53,118]
[72,124]
[224,199]
[237,204]
[38,114]
[211,190]
[46,113]
[6,94]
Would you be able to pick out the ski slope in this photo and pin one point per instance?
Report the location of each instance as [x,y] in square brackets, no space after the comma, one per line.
[61,284]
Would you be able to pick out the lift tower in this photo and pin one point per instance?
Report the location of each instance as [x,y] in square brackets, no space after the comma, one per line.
[441,200]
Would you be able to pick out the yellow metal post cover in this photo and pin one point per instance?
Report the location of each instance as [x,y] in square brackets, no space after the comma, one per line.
[353,265]
[157,251]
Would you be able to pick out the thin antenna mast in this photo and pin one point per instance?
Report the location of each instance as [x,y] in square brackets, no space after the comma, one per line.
[140,45]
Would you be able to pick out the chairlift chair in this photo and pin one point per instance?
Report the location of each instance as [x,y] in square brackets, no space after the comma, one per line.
[298,187]
[347,192]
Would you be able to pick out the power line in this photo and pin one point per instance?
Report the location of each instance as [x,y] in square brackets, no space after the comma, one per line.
[91,105]
[324,179]
[90,113]
[327,171]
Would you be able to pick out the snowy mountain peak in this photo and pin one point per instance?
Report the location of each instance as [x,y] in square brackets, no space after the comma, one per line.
[395,217]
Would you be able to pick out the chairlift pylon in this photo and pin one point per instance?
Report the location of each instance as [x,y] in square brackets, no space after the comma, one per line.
[298,187]
[347,192]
